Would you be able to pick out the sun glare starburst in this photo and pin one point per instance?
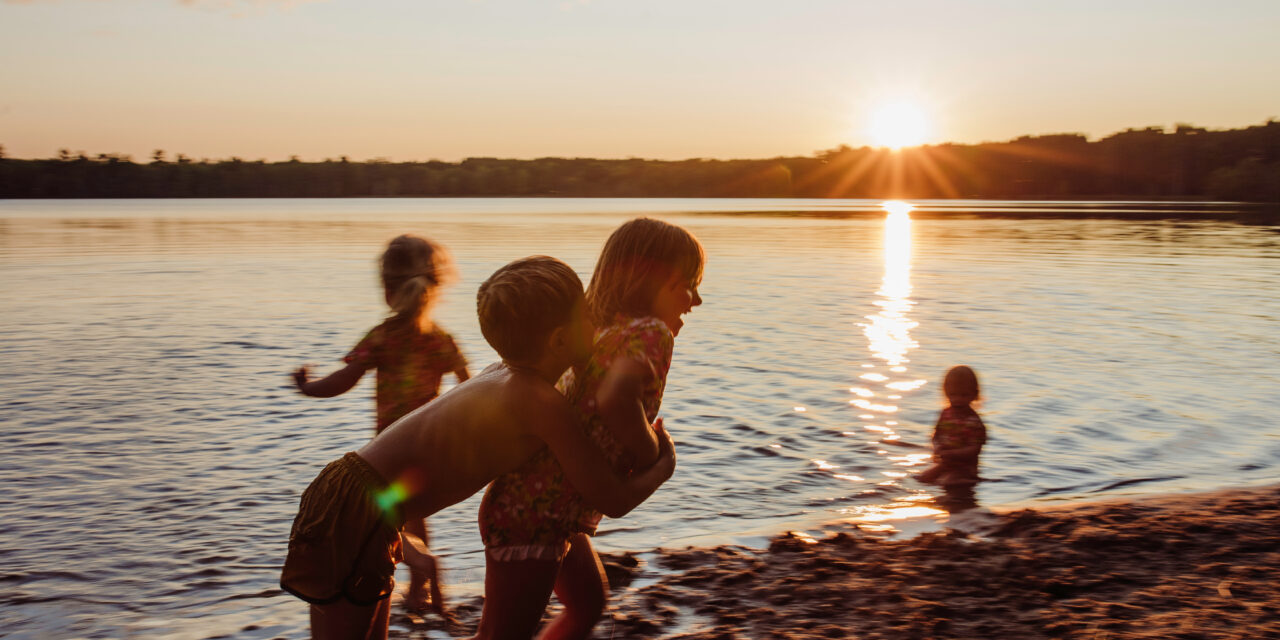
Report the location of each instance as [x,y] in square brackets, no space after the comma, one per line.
[898,124]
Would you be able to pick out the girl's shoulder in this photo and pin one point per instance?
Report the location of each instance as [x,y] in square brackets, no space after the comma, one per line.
[643,335]
[647,327]
[644,338]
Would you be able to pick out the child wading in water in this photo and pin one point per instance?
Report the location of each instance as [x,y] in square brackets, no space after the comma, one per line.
[535,525]
[959,434]
[411,354]
[345,539]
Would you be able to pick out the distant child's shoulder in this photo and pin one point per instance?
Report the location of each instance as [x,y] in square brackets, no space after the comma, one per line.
[393,335]
[438,333]
[398,331]
[960,414]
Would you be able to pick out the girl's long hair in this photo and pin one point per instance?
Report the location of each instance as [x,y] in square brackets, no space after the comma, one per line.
[412,267]
[637,260]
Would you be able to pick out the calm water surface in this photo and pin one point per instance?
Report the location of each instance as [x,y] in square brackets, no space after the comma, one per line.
[153,450]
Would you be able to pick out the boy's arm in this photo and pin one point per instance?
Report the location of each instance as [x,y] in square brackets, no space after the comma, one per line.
[336,383]
[618,401]
[587,470]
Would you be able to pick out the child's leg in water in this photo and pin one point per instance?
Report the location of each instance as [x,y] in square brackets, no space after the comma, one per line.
[424,570]
[341,620]
[582,588]
[515,597]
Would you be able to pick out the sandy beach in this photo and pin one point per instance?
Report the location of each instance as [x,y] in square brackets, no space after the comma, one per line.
[1186,566]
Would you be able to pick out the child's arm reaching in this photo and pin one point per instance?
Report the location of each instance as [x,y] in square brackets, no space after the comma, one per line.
[619,402]
[334,384]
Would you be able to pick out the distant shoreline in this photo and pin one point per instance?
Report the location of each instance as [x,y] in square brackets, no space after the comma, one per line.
[1149,164]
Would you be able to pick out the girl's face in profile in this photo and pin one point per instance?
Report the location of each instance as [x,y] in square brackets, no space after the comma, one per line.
[674,299]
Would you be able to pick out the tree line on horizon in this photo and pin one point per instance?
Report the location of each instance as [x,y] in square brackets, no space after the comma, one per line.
[1150,163]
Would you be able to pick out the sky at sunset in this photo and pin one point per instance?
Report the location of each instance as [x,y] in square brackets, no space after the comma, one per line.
[662,79]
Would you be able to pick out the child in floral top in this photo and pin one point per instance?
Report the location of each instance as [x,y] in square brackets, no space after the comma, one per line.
[411,354]
[535,525]
[959,434]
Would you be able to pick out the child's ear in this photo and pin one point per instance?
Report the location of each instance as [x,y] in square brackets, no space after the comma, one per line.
[556,340]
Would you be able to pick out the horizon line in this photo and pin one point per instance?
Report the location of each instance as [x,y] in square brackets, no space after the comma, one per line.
[1164,129]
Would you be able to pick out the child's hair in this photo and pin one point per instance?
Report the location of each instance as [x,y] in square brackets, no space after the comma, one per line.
[637,260]
[521,303]
[411,267]
[961,385]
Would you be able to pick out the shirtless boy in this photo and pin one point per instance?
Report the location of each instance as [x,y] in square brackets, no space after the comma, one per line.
[345,540]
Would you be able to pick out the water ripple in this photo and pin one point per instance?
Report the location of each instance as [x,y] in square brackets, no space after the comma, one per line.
[157,451]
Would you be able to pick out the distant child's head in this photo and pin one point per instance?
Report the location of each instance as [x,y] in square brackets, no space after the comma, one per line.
[531,305]
[647,267]
[412,267]
[961,386]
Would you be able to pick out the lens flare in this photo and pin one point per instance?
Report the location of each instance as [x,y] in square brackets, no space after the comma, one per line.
[391,497]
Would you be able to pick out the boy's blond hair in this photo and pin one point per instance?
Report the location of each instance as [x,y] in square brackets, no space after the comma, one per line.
[521,303]
[637,260]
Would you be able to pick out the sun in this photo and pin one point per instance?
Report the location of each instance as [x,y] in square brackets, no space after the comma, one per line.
[898,124]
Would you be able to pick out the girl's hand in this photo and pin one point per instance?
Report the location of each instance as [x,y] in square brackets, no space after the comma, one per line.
[300,378]
[666,449]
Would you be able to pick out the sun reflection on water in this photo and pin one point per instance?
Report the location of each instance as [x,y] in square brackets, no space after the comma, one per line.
[882,382]
[889,331]
[889,342]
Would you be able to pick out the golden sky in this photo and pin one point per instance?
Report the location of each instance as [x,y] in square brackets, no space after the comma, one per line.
[668,79]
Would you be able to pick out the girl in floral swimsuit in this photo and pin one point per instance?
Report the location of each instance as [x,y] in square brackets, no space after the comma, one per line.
[535,525]
[411,355]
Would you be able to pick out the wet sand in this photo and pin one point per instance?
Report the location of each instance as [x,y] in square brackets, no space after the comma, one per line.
[1188,566]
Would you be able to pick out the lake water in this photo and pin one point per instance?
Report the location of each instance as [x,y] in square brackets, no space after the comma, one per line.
[153,450]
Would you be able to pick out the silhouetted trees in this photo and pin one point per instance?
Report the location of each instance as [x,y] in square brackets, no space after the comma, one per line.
[1187,162]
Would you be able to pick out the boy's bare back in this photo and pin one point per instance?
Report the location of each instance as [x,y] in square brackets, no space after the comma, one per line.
[450,448]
